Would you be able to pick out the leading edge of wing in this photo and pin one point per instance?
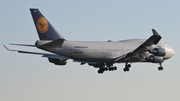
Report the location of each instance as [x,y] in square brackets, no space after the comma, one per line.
[154,39]
[23,45]
[54,56]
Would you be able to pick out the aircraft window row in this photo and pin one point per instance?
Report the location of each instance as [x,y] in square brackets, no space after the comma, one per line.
[119,50]
[128,50]
[112,49]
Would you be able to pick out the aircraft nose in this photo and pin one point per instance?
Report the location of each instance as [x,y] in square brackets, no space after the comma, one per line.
[171,52]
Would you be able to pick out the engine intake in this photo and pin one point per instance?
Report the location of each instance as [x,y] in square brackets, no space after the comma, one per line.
[57,61]
[154,59]
[158,51]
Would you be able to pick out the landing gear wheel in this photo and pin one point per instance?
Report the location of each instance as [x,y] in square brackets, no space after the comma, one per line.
[100,71]
[110,69]
[160,68]
[126,69]
[115,68]
[128,65]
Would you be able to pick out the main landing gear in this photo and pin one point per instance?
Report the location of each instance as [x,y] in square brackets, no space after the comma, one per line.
[127,66]
[103,68]
[108,68]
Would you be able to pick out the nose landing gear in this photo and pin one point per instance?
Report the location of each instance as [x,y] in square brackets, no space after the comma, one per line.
[160,68]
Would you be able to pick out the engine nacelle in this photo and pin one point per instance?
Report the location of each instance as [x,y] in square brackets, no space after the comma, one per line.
[158,51]
[154,59]
[57,61]
[96,65]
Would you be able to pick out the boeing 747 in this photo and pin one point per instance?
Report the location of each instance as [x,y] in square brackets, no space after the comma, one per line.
[99,54]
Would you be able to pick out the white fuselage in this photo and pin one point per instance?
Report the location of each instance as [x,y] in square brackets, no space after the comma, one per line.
[90,51]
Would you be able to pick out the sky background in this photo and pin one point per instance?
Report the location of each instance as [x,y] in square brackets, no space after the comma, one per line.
[32,78]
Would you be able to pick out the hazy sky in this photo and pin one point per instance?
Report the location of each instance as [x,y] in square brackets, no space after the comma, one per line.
[32,78]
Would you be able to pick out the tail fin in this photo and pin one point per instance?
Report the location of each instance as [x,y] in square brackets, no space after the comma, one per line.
[44,29]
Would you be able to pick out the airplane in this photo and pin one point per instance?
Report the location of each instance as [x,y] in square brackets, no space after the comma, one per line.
[99,54]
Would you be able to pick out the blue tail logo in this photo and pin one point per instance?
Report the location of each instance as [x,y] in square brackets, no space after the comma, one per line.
[44,28]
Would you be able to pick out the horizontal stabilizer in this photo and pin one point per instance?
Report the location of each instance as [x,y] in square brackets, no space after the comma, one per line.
[19,51]
[23,45]
[55,43]
[47,55]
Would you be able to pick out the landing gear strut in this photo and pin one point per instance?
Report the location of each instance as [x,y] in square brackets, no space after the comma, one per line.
[127,66]
[160,67]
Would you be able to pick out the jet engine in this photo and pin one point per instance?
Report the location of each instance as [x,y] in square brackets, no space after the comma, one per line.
[57,61]
[154,59]
[158,51]
[96,65]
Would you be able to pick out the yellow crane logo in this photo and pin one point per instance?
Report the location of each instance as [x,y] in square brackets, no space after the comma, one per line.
[42,25]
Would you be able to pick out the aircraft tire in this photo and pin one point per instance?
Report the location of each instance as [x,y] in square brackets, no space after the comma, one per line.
[129,65]
[160,68]
[115,68]
[126,69]
[100,71]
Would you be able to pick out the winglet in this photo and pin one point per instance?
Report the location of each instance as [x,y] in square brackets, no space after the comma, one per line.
[7,48]
[158,37]
[155,32]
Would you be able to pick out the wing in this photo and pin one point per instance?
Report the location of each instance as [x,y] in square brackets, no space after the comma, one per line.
[47,55]
[153,40]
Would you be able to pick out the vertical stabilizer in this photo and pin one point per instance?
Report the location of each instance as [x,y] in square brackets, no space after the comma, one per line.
[44,29]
